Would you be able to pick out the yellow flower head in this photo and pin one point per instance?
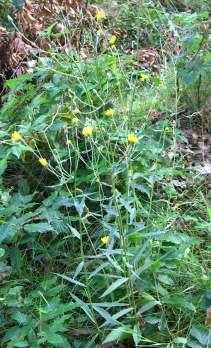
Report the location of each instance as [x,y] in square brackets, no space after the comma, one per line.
[68,142]
[113,39]
[143,77]
[162,85]
[15,136]
[109,112]
[105,240]
[43,162]
[87,131]
[75,120]
[132,138]
[113,47]
[100,15]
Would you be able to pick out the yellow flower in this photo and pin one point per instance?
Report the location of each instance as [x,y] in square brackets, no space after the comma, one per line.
[113,47]
[75,120]
[162,85]
[87,131]
[43,162]
[68,142]
[109,112]
[143,77]
[113,39]
[105,239]
[132,138]
[15,136]
[100,15]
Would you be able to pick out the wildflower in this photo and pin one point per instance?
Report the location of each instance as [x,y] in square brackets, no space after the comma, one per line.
[143,77]
[43,162]
[109,112]
[65,126]
[15,136]
[105,240]
[132,138]
[113,39]
[100,15]
[68,142]
[87,131]
[75,120]
[113,47]
[162,85]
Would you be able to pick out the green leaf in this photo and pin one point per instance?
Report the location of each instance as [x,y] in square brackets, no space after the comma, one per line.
[21,318]
[180,302]
[137,334]
[55,339]
[2,252]
[71,280]
[74,231]
[84,306]
[201,334]
[42,227]
[3,166]
[119,334]
[109,319]
[114,286]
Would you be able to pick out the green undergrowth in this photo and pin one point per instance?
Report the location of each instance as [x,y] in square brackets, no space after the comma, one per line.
[104,230]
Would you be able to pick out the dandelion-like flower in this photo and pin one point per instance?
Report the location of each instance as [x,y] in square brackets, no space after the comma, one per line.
[143,77]
[100,15]
[15,136]
[109,112]
[87,131]
[75,120]
[132,138]
[105,240]
[113,39]
[43,162]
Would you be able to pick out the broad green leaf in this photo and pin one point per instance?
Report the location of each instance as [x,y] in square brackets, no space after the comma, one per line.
[114,286]
[202,334]
[180,302]
[42,227]
[55,339]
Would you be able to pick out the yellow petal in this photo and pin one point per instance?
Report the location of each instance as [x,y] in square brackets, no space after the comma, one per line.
[87,131]
[43,162]
[105,239]
[109,112]
[15,136]
[75,120]
[132,138]
[113,39]
[100,15]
